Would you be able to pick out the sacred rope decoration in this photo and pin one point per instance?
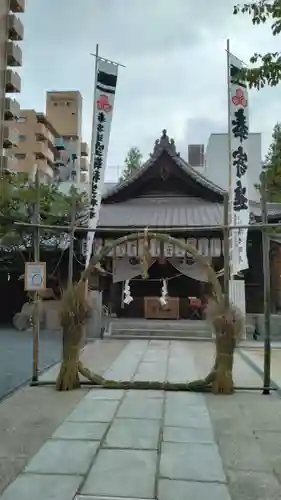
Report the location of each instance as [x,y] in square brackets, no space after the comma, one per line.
[127,293]
[146,257]
[164,293]
[227,322]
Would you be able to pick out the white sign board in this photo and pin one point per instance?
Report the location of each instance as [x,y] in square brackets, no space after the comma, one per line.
[35,276]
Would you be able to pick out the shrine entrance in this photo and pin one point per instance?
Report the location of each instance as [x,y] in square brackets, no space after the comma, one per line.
[170,290]
[182,292]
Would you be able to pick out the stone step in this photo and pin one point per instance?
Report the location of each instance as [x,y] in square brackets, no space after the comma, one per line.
[156,325]
[161,337]
[161,333]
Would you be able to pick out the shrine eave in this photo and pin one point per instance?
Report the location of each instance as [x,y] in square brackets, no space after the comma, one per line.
[171,214]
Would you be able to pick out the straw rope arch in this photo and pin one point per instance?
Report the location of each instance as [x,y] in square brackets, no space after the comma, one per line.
[227,322]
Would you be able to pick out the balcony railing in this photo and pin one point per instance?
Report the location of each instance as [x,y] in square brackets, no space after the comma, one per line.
[17,6]
[16,29]
[60,144]
[44,168]
[42,151]
[84,177]
[13,82]
[84,149]
[10,136]
[50,138]
[14,54]
[41,132]
[12,108]
[84,164]
[9,163]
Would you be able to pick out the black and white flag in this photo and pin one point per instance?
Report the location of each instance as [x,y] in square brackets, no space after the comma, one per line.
[239,140]
[106,81]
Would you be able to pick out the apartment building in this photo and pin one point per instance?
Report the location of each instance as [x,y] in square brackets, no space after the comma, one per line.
[36,144]
[11,32]
[64,112]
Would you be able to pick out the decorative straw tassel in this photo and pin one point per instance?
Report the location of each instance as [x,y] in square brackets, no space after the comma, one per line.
[164,293]
[127,293]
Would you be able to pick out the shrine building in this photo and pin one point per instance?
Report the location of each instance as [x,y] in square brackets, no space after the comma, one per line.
[167,195]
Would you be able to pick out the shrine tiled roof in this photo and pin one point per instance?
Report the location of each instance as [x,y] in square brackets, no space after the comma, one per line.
[160,212]
[169,212]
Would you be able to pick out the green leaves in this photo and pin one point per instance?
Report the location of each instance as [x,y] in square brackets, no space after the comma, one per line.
[271,173]
[17,202]
[133,162]
[268,70]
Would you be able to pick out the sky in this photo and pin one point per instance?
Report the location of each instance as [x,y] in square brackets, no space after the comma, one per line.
[175,66]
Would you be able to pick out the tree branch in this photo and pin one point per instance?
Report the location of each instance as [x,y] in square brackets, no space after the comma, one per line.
[268,70]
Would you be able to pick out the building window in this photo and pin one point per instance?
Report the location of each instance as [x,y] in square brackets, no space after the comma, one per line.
[22,138]
[20,156]
[55,103]
[68,103]
[21,119]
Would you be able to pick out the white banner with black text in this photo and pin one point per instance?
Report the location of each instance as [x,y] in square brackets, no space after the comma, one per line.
[106,81]
[239,139]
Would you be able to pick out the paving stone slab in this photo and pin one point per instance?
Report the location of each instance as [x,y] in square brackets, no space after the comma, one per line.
[42,487]
[191,461]
[251,485]
[94,411]
[188,398]
[156,376]
[132,394]
[123,473]
[140,408]
[153,357]
[135,433]
[63,457]
[115,394]
[185,490]
[181,371]
[87,497]
[269,443]
[181,414]
[188,435]
[242,454]
[92,431]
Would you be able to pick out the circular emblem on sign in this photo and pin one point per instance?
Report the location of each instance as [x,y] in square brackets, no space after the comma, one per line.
[36,279]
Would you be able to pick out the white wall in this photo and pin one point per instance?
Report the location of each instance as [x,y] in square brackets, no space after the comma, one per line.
[216,158]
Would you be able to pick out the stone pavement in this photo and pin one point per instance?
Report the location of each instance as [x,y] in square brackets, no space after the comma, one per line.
[256,355]
[153,445]
[31,415]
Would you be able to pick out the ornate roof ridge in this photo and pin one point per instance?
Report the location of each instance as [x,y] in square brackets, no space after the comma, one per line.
[164,144]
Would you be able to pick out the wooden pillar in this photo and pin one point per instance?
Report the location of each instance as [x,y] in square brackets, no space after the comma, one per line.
[276,278]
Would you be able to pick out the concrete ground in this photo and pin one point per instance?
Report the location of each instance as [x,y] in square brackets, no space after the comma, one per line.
[106,444]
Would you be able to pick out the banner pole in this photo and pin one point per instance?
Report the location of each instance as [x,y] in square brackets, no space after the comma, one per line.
[266,289]
[229,121]
[93,139]
[228,198]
